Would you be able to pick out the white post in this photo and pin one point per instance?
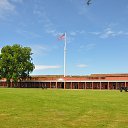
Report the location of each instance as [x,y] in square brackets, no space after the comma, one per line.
[65,40]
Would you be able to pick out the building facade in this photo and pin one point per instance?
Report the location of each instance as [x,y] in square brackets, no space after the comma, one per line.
[93,81]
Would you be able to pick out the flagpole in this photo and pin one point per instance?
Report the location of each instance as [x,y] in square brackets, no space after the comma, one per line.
[65,41]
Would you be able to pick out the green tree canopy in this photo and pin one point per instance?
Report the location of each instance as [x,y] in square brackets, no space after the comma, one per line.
[15,63]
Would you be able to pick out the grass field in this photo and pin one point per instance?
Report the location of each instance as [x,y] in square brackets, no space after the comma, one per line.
[37,108]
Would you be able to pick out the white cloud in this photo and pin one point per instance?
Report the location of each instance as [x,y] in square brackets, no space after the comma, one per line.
[28,34]
[17,1]
[43,67]
[95,33]
[49,26]
[82,65]
[73,33]
[51,31]
[90,46]
[108,32]
[5,5]
[87,47]
[39,49]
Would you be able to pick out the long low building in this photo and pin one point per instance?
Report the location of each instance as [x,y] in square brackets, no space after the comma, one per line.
[93,81]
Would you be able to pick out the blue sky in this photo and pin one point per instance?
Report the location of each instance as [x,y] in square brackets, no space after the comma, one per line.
[97,35]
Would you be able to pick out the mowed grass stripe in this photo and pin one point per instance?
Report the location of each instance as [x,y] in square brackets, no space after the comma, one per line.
[37,108]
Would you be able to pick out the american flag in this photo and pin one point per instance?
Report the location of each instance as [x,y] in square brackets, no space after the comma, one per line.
[62,37]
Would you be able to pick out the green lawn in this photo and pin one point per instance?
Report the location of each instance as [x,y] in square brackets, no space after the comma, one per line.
[37,108]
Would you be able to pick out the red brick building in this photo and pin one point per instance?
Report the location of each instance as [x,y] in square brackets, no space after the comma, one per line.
[93,81]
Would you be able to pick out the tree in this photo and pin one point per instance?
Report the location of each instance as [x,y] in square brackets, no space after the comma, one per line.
[15,63]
